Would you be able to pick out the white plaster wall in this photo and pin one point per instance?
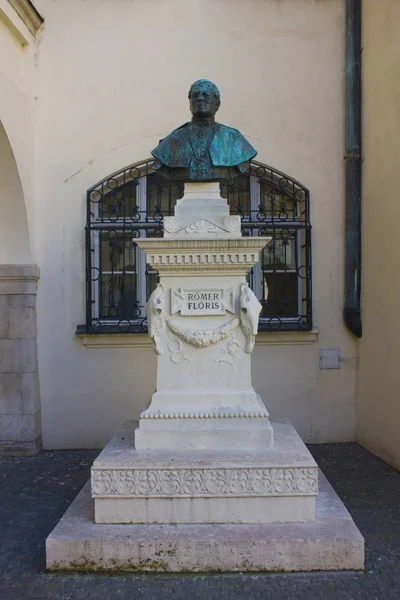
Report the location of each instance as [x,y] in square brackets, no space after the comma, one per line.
[378,403]
[112,78]
[11,50]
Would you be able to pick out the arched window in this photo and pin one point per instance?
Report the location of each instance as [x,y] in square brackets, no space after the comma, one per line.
[132,203]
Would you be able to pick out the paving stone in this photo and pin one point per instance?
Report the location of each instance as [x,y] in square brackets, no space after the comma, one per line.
[35,491]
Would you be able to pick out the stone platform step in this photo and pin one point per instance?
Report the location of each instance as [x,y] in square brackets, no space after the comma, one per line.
[331,542]
[270,484]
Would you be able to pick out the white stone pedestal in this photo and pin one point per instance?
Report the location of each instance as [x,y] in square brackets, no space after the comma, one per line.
[203,484]
[203,318]
[204,397]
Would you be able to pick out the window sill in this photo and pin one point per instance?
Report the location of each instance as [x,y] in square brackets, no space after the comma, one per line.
[142,340]
[284,338]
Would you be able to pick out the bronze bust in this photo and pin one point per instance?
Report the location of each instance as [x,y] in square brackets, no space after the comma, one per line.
[203,150]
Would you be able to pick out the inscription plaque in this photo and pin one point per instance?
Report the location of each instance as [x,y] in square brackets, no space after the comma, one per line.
[201,302]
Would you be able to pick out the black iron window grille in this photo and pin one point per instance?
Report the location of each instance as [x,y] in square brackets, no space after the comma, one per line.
[133,202]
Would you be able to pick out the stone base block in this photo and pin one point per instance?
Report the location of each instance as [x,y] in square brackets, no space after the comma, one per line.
[258,436]
[205,510]
[223,420]
[21,448]
[331,542]
[274,484]
[202,213]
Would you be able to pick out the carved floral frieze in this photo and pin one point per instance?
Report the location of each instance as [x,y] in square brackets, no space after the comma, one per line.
[205,482]
[201,338]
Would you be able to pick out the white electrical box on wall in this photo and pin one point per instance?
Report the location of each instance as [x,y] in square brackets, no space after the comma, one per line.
[329,358]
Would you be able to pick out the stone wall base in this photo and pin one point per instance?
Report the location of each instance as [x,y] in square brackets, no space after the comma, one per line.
[21,448]
[20,417]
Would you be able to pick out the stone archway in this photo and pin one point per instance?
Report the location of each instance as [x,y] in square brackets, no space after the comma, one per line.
[20,423]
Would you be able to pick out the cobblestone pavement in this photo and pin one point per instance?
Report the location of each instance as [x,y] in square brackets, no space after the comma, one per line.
[36,491]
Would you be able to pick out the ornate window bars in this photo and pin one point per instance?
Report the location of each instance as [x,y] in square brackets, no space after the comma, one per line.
[132,203]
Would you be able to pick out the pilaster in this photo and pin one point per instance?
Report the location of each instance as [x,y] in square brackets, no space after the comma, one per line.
[20,419]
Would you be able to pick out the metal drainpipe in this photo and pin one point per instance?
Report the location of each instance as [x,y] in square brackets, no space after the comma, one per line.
[352,311]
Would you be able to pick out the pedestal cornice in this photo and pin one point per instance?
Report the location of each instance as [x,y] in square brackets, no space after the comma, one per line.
[202,256]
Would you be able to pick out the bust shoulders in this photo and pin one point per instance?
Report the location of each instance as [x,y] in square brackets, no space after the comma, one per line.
[228,147]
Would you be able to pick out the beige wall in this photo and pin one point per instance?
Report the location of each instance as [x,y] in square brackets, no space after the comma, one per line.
[378,404]
[112,78]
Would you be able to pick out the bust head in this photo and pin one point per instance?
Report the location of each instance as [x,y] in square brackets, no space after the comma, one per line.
[203,150]
[204,99]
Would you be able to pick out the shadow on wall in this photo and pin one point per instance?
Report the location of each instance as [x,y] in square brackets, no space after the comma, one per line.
[14,234]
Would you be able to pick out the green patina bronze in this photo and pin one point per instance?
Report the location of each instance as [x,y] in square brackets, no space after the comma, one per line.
[203,150]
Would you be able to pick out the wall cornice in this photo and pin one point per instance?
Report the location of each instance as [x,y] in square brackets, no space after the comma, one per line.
[28,14]
[142,340]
